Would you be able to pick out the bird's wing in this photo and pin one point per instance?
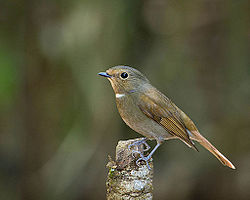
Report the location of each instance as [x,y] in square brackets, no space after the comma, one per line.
[163,111]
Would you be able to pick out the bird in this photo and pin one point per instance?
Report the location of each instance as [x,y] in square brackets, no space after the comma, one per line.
[152,114]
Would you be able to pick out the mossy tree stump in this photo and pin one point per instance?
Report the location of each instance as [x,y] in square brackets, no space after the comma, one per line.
[125,179]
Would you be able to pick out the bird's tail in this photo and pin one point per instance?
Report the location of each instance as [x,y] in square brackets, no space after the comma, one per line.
[206,144]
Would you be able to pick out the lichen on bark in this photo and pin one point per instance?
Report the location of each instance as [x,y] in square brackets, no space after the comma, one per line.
[125,179]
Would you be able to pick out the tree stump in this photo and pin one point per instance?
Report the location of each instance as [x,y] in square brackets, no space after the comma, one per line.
[125,179]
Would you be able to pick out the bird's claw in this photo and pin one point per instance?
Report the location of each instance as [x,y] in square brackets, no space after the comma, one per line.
[145,159]
[138,152]
[142,157]
[147,146]
[137,143]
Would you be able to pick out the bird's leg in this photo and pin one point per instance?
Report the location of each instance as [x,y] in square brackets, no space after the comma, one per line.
[138,143]
[147,158]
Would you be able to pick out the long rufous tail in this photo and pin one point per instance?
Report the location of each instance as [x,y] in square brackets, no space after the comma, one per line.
[206,144]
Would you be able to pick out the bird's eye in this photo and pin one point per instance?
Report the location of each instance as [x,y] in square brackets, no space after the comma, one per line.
[124,75]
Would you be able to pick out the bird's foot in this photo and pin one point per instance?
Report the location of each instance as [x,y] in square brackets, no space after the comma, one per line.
[138,143]
[142,157]
[145,159]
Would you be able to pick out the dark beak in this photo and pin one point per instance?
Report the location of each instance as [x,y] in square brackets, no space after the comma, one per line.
[104,74]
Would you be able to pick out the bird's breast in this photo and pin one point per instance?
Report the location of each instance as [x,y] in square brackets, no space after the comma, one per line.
[136,119]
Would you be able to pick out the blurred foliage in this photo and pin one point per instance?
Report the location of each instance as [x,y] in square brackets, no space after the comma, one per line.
[59,120]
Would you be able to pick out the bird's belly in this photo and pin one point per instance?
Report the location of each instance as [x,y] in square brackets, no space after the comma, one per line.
[139,122]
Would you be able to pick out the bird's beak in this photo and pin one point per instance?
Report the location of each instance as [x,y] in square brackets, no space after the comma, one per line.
[104,74]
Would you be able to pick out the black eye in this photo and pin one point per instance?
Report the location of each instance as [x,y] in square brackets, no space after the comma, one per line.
[124,75]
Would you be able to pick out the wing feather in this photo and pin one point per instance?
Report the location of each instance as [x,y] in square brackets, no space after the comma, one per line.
[165,114]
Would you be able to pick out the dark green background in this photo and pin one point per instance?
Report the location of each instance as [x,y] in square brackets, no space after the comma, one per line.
[59,119]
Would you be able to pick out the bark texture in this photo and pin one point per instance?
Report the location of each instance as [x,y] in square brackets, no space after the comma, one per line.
[125,179]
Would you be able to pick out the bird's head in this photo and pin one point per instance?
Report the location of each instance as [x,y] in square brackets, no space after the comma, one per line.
[124,79]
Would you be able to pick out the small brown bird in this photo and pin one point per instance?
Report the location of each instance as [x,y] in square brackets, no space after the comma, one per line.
[150,113]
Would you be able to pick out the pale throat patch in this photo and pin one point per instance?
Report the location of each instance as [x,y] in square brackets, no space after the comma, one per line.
[117,95]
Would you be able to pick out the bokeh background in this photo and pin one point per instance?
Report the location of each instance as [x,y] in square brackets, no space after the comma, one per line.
[59,120]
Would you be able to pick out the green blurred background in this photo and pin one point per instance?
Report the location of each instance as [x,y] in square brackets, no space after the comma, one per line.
[59,119]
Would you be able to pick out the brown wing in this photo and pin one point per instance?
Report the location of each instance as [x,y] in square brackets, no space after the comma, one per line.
[162,110]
